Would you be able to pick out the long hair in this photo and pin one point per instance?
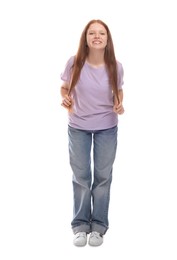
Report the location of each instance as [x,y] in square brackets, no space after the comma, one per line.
[109,58]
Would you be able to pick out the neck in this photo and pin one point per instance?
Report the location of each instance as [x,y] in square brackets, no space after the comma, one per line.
[96,58]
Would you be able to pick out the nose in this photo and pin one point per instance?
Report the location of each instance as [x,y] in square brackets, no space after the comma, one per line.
[97,35]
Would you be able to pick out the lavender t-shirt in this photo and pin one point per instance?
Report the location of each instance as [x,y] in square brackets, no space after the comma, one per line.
[93,97]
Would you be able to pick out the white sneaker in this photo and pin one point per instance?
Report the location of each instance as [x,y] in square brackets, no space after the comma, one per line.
[80,239]
[95,239]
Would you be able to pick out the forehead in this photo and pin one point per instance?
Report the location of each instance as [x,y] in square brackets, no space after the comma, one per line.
[97,26]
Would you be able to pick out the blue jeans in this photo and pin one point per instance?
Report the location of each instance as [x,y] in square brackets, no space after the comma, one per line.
[91,184]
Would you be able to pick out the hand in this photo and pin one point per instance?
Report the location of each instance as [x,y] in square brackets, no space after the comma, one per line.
[118,108]
[67,103]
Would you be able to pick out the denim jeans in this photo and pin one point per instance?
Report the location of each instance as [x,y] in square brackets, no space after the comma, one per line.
[92,177]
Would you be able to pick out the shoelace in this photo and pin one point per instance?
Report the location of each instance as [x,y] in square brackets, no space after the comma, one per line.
[95,234]
[81,234]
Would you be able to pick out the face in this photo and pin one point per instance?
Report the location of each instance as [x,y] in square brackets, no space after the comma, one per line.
[96,36]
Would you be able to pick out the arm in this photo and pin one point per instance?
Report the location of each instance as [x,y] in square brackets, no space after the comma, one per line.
[67,101]
[118,107]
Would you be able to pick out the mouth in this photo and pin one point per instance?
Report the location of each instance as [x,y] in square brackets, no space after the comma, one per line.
[97,42]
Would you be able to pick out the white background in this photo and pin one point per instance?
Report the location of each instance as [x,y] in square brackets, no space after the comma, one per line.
[37,38]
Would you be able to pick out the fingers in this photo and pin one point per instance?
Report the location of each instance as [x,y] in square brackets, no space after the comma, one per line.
[67,102]
[118,109]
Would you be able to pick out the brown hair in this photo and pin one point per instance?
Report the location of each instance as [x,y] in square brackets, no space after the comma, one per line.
[109,57]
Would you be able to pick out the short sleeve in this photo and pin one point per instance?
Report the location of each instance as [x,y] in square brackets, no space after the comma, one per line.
[66,74]
[120,75]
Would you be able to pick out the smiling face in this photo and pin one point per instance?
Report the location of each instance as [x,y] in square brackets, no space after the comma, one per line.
[96,36]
